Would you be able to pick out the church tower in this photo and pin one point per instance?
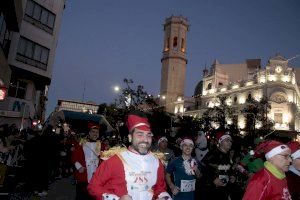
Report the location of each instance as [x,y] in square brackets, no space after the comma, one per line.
[173,63]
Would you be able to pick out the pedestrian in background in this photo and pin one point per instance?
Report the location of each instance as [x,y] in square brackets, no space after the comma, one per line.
[85,158]
[219,178]
[184,171]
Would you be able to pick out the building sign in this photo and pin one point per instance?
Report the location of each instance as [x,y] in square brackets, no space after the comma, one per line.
[77,106]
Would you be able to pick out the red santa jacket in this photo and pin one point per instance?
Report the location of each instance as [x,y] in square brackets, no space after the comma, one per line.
[110,179]
[78,156]
[264,185]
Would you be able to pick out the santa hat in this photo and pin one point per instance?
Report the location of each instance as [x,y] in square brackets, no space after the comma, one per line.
[295,149]
[135,121]
[222,136]
[92,125]
[271,148]
[162,139]
[186,140]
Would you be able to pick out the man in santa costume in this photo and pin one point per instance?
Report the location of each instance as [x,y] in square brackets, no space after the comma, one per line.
[293,175]
[134,173]
[270,182]
[85,158]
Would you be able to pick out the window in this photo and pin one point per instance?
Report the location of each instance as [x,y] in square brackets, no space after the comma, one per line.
[2,29]
[32,53]
[17,89]
[39,16]
[235,99]
[175,42]
[182,45]
[167,44]
[4,35]
[209,86]
[278,118]
[249,98]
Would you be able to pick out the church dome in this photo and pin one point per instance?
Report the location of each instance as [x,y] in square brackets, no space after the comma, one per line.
[198,88]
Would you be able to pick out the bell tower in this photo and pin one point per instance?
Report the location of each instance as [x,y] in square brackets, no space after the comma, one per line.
[173,62]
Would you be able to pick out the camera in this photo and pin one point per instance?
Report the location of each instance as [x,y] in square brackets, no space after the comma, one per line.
[224,181]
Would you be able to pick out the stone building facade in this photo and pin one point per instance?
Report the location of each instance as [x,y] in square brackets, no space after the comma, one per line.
[277,82]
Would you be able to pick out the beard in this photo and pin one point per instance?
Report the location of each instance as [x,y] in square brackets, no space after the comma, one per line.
[142,147]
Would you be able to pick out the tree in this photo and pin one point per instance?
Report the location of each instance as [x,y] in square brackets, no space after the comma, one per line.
[256,115]
[135,99]
[188,126]
[217,116]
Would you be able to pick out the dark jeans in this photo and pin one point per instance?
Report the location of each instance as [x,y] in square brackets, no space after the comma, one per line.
[81,191]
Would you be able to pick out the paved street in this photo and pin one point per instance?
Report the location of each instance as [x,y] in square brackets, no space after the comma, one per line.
[63,189]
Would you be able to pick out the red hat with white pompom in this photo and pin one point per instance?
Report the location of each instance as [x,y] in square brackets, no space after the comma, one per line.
[186,140]
[271,148]
[222,136]
[139,122]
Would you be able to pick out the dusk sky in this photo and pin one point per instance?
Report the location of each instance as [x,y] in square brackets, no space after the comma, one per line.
[101,42]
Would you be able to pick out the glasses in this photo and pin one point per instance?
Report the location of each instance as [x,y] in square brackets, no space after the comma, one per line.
[288,156]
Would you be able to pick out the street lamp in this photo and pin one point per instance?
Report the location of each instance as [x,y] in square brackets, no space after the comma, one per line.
[116,88]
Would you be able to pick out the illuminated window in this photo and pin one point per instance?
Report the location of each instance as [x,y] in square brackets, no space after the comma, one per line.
[182,45]
[167,44]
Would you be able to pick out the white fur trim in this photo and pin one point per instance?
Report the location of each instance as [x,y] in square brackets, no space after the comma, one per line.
[224,137]
[139,124]
[164,195]
[78,165]
[296,154]
[162,139]
[186,141]
[277,150]
[107,196]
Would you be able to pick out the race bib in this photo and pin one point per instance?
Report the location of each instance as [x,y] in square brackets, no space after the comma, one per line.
[187,185]
[92,162]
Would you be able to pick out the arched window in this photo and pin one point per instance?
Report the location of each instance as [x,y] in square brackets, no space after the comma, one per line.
[249,97]
[209,86]
[175,42]
[235,99]
[182,45]
[167,44]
